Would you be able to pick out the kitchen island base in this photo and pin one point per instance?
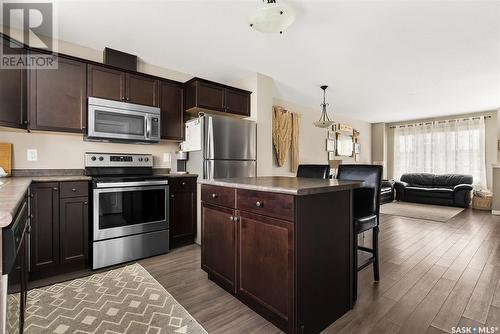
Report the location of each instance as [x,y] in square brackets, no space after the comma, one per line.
[289,257]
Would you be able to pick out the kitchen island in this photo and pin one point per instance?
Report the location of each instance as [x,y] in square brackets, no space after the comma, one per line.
[283,246]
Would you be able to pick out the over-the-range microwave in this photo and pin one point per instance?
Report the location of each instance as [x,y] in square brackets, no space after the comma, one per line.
[122,122]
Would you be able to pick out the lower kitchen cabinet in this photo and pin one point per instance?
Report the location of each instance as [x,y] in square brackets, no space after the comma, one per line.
[219,245]
[44,236]
[182,210]
[265,265]
[74,230]
[59,240]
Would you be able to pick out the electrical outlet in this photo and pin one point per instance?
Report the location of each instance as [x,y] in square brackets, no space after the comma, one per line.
[167,157]
[32,154]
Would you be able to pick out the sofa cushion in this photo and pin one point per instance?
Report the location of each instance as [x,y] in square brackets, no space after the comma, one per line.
[430,192]
[420,179]
[451,180]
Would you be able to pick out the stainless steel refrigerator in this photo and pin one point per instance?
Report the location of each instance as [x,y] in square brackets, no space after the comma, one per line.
[221,147]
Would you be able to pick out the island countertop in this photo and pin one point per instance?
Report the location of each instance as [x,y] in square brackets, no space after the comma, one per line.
[285,184]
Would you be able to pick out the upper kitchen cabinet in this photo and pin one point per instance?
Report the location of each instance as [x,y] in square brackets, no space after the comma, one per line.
[171,105]
[108,83]
[57,97]
[13,112]
[105,83]
[142,90]
[206,96]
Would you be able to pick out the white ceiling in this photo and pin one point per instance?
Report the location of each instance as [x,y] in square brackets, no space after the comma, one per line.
[383,60]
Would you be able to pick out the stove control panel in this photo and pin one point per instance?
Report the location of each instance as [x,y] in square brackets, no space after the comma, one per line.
[118,160]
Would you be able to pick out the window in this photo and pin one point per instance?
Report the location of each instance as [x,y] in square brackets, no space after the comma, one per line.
[448,147]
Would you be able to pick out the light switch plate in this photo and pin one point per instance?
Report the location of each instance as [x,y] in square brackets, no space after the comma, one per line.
[167,157]
[32,154]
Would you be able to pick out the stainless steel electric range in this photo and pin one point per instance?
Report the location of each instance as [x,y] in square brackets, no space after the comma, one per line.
[130,208]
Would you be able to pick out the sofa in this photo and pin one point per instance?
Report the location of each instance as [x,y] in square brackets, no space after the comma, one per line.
[386,191]
[446,189]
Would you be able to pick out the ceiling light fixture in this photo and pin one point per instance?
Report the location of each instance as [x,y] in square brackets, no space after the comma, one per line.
[324,121]
[272,17]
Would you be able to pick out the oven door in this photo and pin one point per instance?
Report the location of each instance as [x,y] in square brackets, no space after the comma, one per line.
[112,123]
[127,208]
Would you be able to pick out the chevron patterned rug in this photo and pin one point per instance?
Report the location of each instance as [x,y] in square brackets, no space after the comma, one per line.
[125,300]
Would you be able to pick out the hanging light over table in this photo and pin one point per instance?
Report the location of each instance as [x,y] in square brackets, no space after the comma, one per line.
[272,17]
[324,121]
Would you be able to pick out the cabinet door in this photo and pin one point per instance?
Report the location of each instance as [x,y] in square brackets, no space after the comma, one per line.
[142,90]
[237,102]
[265,266]
[218,245]
[12,93]
[57,98]
[74,228]
[44,237]
[171,104]
[210,96]
[105,83]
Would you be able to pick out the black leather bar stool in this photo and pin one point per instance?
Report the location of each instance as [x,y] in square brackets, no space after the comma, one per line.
[314,171]
[366,207]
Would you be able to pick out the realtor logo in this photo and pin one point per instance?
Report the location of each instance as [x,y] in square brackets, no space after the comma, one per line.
[30,24]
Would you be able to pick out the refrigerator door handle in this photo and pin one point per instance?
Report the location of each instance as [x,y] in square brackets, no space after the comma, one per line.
[209,169]
[209,153]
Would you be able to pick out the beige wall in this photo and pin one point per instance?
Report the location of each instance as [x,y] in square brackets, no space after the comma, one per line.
[379,145]
[491,135]
[62,150]
[312,140]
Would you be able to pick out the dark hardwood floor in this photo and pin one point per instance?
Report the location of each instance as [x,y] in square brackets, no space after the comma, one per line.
[434,276]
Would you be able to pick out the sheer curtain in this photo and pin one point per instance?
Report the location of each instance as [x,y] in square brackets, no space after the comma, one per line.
[454,146]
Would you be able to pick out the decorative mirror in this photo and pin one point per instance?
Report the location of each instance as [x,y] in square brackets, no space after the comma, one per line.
[344,145]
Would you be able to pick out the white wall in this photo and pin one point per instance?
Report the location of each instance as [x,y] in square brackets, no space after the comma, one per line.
[312,140]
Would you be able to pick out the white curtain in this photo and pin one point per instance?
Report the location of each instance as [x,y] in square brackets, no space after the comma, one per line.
[455,146]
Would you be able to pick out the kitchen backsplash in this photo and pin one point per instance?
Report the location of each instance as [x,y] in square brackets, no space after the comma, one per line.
[65,151]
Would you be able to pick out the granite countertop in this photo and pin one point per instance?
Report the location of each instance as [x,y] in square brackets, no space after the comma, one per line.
[12,190]
[285,184]
[173,175]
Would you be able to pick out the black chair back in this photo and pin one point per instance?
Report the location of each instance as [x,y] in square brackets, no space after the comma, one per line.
[366,199]
[314,171]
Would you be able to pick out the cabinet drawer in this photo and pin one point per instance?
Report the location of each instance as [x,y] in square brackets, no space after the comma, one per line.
[74,189]
[264,203]
[182,184]
[218,195]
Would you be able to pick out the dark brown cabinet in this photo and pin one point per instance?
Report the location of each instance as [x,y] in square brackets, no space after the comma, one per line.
[203,95]
[44,236]
[219,245]
[237,102]
[57,97]
[279,254]
[59,240]
[74,226]
[107,83]
[172,110]
[142,90]
[265,265]
[182,211]
[13,111]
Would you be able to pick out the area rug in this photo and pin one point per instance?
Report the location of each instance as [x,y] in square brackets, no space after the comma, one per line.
[124,300]
[436,213]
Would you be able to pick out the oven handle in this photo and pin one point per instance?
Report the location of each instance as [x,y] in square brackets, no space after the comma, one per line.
[130,184]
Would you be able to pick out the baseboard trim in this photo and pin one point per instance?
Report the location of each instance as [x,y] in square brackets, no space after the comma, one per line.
[495,212]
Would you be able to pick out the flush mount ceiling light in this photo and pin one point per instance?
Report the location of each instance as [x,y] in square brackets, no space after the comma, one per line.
[272,17]
[324,121]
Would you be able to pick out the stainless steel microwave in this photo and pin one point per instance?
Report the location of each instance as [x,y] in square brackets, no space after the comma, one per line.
[123,122]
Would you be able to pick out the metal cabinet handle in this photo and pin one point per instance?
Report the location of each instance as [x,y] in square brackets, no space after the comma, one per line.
[236,219]
[259,204]
[85,203]
[183,183]
[214,195]
[231,218]
[55,189]
[172,196]
[73,190]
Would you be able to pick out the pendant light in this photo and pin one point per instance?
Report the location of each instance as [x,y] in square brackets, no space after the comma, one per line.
[324,121]
[272,17]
